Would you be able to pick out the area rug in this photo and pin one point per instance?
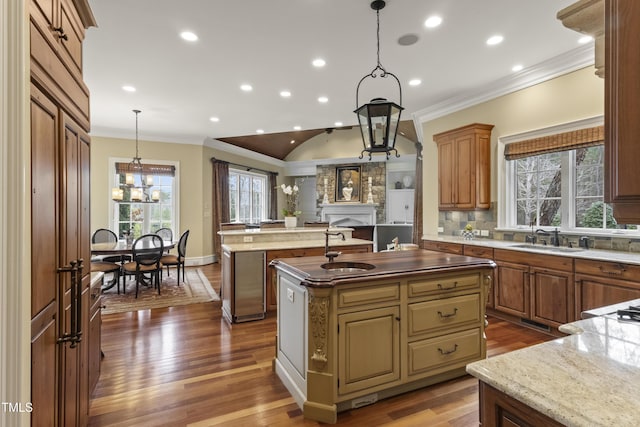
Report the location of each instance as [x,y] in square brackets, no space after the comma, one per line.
[194,289]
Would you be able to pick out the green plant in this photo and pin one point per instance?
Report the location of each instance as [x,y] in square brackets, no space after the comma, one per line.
[468,227]
[291,200]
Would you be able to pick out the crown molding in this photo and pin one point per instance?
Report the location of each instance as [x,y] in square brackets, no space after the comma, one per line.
[559,65]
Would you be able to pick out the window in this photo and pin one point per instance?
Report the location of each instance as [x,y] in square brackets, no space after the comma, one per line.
[562,189]
[146,217]
[247,196]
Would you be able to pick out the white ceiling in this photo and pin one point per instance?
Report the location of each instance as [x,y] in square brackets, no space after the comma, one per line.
[270,44]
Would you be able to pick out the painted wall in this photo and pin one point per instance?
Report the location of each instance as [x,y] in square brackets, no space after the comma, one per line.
[195,183]
[570,97]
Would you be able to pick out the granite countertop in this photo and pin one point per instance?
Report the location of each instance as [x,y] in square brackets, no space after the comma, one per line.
[334,242]
[396,264]
[593,254]
[585,379]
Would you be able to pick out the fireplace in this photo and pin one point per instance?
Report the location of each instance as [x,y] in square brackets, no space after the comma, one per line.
[349,214]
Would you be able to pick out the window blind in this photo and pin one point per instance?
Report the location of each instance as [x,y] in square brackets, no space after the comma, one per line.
[147,169]
[580,138]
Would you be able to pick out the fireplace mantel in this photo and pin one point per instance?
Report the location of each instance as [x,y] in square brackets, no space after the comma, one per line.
[349,214]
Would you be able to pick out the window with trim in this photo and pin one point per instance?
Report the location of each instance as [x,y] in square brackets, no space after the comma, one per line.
[248,196]
[147,216]
[558,181]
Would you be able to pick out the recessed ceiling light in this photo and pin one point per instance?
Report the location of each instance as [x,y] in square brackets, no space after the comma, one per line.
[494,40]
[214,119]
[517,68]
[323,99]
[319,62]
[415,82]
[433,21]
[408,40]
[293,141]
[585,39]
[285,94]
[246,87]
[259,130]
[297,127]
[189,36]
[128,88]
[338,124]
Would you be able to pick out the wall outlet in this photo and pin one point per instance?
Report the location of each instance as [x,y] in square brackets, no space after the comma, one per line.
[484,233]
[290,294]
[476,232]
[440,229]
[247,239]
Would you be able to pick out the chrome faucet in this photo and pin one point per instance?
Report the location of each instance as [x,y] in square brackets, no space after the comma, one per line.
[333,254]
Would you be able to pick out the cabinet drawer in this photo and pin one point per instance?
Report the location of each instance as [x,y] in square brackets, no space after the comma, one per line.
[452,248]
[448,350]
[368,295]
[440,284]
[439,314]
[552,262]
[614,270]
[295,253]
[478,251]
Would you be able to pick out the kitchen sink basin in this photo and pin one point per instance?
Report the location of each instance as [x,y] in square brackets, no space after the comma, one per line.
[548,248]
[347,267]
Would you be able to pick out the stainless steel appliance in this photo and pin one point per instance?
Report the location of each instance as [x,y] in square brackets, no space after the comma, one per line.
[244,299]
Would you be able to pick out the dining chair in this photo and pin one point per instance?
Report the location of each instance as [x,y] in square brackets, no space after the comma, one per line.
[166,234]
[147,251]
[106,264]
[177,260]
[104,235]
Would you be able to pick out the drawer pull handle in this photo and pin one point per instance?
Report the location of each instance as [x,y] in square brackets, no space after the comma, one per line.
[445,352]
[455,284]
[444,316]
[617,272]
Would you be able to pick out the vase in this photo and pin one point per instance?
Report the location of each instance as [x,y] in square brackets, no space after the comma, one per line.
[290,221]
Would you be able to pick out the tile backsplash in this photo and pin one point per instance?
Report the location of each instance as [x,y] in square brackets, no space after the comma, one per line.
[453,222]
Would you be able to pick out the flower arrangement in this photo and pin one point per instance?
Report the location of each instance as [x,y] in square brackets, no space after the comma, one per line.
[291,200]
[467,233]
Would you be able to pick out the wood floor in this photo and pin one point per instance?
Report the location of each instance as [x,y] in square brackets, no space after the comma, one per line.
[185,366]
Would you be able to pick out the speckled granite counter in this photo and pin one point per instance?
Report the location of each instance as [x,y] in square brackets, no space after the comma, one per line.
[595,254]
[589,378]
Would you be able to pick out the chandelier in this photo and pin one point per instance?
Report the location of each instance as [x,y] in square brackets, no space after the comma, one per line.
[379,118]
[141,192]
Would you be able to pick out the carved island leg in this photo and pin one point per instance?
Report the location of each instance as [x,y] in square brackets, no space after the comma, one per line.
[321,381]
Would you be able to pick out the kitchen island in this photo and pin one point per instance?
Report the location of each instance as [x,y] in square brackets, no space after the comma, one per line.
[373,325]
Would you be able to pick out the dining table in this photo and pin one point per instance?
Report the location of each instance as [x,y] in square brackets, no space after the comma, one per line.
[122,248]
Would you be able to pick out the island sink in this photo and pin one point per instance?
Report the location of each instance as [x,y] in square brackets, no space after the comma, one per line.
[347,267]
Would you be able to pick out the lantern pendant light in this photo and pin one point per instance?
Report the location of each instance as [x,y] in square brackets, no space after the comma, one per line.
[379,118]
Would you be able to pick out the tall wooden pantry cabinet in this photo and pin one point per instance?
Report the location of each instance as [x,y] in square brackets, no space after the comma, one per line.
[60,258]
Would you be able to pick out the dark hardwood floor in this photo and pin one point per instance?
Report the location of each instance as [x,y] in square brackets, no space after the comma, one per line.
[185,366]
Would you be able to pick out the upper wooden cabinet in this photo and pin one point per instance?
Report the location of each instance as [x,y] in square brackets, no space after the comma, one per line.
[464,167]
[622,106]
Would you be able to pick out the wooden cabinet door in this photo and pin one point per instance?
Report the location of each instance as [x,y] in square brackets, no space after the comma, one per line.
[446,174]
[552,297]
[465,179]
[368,349]
[622,106]
[45,138]
[512,289]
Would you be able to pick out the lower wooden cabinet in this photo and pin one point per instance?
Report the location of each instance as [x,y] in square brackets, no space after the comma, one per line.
[600,283]
[498,409]
[486,253]
[512,290]
[368,349]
